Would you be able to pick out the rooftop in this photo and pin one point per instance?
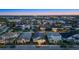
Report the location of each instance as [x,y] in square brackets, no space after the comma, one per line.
[53,34]
[38,34]
[25,35]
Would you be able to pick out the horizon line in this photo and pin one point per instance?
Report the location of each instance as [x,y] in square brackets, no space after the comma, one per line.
[39,13]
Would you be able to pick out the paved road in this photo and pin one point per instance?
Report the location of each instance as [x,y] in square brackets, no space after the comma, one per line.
[33,47]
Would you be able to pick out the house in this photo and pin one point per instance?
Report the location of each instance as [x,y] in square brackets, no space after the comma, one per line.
[39,37]
[24,37]
[35,28]
[14,20]
[2,27]
[67,26]
[9,37]
[54,29]
[54,36]
[42,28]
[60,30]
[22,26]
[74,37]
[2,41]
[51,21]
[77,28]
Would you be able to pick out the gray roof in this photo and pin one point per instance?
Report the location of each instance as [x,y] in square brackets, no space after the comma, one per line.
[26,35]
[38,35]
[53,34]
[10,35]
[76,36]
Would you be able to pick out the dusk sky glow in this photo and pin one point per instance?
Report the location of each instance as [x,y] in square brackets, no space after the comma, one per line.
[39,11]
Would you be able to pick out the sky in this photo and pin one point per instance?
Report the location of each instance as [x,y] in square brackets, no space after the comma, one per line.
[39,10]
